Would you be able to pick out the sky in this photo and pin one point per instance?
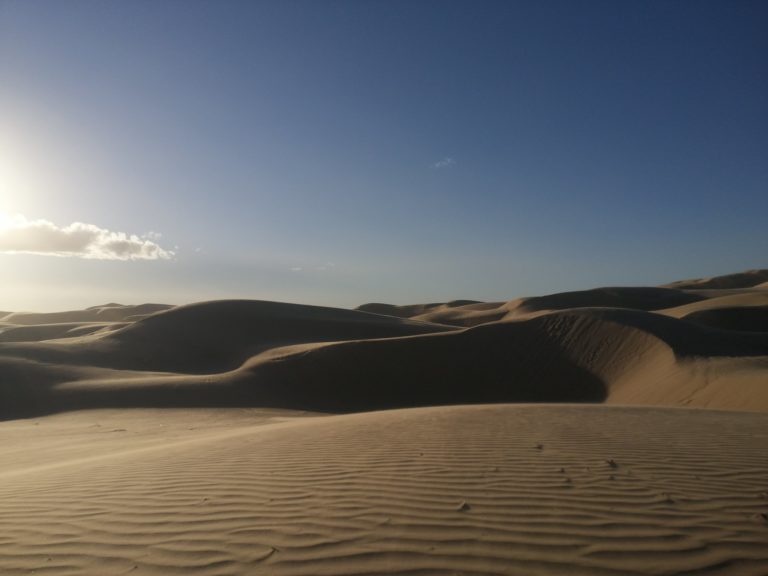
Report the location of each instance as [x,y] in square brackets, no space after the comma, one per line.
[343,152]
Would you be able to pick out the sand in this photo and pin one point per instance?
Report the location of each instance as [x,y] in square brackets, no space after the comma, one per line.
[445,490]
[606,431]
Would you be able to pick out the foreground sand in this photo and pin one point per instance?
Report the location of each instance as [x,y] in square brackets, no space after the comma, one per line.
[500,489]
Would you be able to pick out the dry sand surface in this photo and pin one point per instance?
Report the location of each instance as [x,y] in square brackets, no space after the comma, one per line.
[247,437]
[498,489]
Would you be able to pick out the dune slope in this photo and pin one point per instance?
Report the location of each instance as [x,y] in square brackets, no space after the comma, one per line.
[211,337]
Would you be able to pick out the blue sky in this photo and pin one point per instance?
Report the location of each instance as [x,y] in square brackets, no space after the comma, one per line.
[405,151]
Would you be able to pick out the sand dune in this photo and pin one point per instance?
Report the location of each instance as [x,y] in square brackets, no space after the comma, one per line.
[468,315]
[105,313]
[752,298]
[740,280]
[459,490]
[633,298]
[214,336]
[747,318]
[211,337]
[38,332]
[649,346]
[576,356]
[463,313]
[411,310]
[236,437]
[616,355]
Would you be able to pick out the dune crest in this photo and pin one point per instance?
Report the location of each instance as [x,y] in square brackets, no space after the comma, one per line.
[748,279]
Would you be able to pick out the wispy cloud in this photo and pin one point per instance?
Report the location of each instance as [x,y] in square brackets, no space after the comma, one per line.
[316,267]
[444,163]
[18,235]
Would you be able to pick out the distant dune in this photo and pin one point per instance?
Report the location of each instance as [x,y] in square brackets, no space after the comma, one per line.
[747,279]
[105,313]
[250,437]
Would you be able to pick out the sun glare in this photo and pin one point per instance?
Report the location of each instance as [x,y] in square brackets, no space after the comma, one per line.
[17,186]
[8,183]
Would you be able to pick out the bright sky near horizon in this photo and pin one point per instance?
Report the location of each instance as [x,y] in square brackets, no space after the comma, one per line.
[337,153]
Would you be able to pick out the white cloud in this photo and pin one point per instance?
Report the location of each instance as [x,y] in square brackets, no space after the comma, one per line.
[444,163]
[21,236]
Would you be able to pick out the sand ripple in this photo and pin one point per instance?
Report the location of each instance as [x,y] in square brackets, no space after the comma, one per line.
[454,490]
